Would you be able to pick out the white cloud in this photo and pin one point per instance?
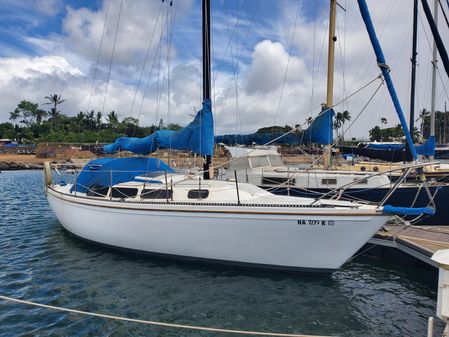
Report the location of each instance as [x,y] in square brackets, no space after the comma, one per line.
[67,62]
[268,67]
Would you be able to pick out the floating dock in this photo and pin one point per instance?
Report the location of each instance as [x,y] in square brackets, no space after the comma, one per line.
[420,242]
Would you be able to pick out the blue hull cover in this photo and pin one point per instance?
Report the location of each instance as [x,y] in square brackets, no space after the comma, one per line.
[197,137]
[97,172]
[426,149]
[319,132]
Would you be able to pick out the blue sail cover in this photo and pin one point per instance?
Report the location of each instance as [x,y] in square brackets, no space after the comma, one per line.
[260,139]
[103,172]
[388,209]
[197,137]
[319,132]
[426,149]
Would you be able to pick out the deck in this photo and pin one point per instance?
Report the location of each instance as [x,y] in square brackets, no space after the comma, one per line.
[421,242]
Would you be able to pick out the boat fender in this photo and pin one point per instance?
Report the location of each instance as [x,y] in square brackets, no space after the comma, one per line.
[47,173]
[375,169]
[363,168]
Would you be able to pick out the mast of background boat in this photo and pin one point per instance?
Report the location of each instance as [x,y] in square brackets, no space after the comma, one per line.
[206,71]
[434,75]
[330,73]
[413,59]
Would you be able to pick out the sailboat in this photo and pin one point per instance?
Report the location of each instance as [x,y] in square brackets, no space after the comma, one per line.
[363,181]
[140,204]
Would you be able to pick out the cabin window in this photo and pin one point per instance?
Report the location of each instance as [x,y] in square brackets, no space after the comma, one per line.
[259,161]
[277,181]
[364,181]
[329,181]
[97,191]
[198,194]
[123,192]
[156,194]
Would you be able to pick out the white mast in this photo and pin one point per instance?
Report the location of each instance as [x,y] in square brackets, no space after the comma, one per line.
[434,75]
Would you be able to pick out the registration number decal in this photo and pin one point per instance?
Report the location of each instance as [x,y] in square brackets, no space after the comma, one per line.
[308,222]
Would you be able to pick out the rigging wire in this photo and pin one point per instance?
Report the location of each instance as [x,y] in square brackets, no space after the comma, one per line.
[437,68]
[145,60]
[110,65]
[383,21]
[288,61]
[295,129]
[157,53]
[98,56]
[444,13]
[239,13]
[244,44]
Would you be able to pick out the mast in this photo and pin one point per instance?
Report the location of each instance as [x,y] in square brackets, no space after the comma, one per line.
[413,59]
[434,74]
[206,71]
[330,72]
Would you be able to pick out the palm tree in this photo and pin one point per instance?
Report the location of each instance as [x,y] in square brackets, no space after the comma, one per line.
[423,115]
[98,119]
[55,100]
[112,119]
[40,114]
[340,119]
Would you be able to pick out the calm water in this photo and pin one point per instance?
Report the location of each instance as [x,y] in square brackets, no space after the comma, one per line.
[40,262]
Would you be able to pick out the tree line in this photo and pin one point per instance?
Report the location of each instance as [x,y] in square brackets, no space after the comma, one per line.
[396,132]
[31,124]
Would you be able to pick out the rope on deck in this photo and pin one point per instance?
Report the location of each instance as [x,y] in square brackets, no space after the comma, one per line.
[163,324]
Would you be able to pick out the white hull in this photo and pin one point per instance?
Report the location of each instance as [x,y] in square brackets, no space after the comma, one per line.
[274,237]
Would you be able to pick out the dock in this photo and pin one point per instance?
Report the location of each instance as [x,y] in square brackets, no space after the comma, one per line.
[420,242]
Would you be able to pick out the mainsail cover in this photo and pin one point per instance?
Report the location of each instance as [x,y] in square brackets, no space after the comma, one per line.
[319,132]
[198,137]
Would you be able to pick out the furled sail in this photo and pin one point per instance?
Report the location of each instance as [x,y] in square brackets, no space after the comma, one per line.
[197,136]
[319,132]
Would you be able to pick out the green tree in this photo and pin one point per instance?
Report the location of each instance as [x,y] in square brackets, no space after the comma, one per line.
[274,129]
[174,126]
[27,112]
[7,131]
[375,134]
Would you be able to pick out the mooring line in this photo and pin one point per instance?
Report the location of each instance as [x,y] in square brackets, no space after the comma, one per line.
[163,324]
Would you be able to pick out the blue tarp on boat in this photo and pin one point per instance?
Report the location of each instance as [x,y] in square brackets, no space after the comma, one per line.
[103,172]
[426,149]
[197,137]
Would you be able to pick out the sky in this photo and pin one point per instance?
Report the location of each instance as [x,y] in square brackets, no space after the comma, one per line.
[142,59]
